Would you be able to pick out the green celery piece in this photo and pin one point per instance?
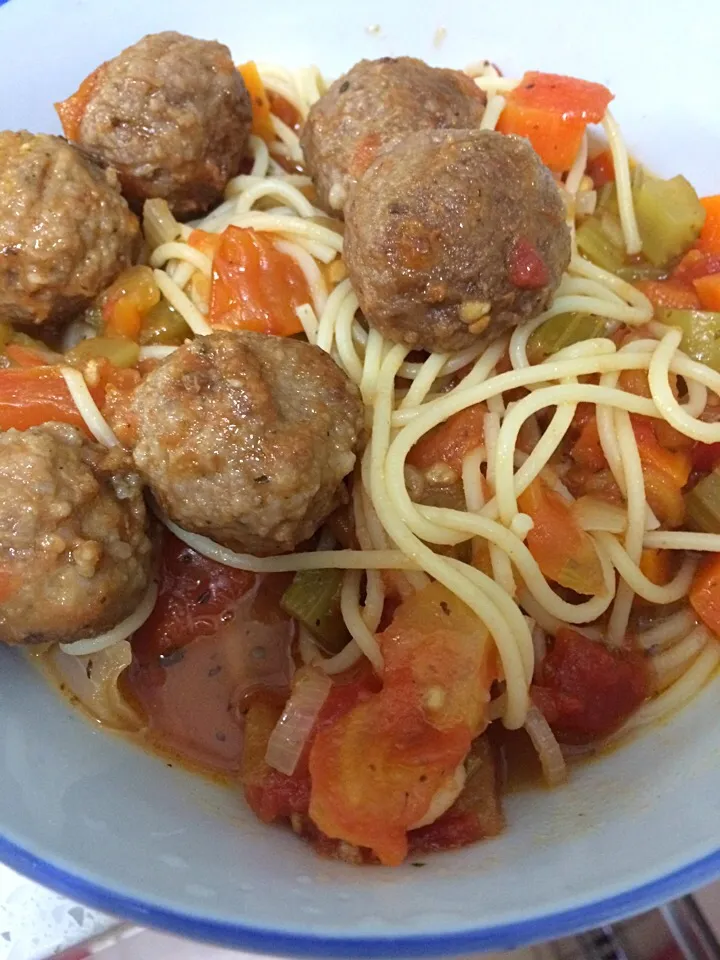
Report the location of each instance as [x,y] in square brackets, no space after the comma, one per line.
[562,331]
[701,333]
[669,215]
[702,504]
[313,599]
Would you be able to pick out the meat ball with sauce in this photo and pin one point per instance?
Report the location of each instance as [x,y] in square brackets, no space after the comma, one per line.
[375,105]
[246,438]
[171,114]
[453,237]
[65,231]
[75,556]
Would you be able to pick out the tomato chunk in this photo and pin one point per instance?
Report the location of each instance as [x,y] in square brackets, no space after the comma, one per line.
[255,286]
[587,691]
[375,771]
[705,593]
[195,594]
[450,442]
[564,551]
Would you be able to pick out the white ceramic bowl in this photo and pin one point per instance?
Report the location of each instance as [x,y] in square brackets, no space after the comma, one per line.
[90,815]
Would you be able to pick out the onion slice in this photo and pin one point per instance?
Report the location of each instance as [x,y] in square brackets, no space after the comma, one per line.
[548,749]
[291,733]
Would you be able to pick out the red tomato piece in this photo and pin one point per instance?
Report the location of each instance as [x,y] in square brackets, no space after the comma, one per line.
[526,268]
[587,691]
[195,595]
[255,286]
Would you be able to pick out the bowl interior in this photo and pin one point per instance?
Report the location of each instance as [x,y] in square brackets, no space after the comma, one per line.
[92,815]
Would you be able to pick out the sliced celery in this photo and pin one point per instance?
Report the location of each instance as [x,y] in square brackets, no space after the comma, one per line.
[164,326]
[118,350]
[702,504]
[313,598]
[594,242]
[562,331]
[701,333]
[669,215]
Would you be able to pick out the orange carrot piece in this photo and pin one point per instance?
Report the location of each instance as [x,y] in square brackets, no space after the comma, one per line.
[708,290]
[261,114]
[705,592]
[670,293]
[710,236]
[72,110]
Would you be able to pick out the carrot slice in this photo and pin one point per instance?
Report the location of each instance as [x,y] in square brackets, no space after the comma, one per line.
[708,290]
[552,111]
[710,235]
[72,110]
[564,551]
[256,286]
[33,396]
[262,125]
[705,592]
[669,293]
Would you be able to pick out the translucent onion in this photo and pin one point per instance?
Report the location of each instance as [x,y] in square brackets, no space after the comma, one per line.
[94,681]
[548,749]
[595,515]
[291,733]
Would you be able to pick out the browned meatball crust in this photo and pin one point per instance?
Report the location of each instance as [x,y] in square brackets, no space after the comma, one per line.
[65,231]
[74,549]
[173,116]
[375,105]
[246,438]
[452,236]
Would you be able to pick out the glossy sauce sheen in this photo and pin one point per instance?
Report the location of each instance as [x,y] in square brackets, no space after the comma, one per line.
[215,635]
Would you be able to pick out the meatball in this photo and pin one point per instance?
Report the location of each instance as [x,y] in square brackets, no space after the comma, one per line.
[65,231]
[375,105]
[74,549]
[246,438]
[171,114]
[452,236]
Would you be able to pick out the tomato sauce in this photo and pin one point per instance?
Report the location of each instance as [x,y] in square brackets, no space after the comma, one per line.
[215,635]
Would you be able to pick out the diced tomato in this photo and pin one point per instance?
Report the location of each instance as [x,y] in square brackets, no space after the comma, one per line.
[601,168]
[587,691]
[195,594]
[587,450]
[32,396]
[477,812]
[705,456]
[705,592]
[284,110]
[564,551]
[669,293]
[665,473]
[261,120]
[710,235]
[552,112]
[708,291]
[72,110]
[274,795]
[450,442]
[526,268]
[375,771]
[255,286]
[696,264]
[270,794]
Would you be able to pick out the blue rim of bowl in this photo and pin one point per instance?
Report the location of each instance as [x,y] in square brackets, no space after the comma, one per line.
[263,940]
[300,944]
